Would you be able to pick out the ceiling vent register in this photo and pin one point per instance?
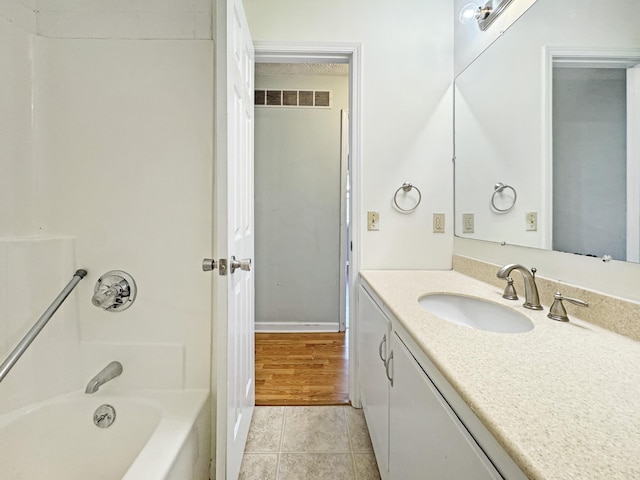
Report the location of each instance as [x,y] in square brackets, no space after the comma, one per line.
[293,98]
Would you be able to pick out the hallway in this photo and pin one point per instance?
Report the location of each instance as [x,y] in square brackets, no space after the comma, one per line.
[302,369]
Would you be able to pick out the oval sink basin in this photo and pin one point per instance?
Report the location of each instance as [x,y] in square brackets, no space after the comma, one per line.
[475,313]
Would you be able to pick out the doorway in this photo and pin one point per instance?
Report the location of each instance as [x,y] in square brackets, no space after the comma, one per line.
[296,94]
[300,195]
[593,159]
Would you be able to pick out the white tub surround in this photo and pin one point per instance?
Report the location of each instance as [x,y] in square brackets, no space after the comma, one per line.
[148,19]
[17,182]
[561,399]
[156,435]
[21,13]
[33,271]
[149,143]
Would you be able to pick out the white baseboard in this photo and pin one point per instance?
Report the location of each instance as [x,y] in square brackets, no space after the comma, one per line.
[295,327]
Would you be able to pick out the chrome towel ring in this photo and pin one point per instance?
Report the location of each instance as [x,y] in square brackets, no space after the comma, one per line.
[499,188]
[406,188]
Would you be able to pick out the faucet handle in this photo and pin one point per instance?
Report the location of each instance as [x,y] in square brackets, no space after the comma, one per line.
[557,310]
[510,290]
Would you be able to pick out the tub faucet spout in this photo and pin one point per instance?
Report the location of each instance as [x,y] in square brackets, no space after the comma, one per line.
[532,299]
[109,372]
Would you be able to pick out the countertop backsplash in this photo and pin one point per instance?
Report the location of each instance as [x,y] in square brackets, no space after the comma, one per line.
[615,314]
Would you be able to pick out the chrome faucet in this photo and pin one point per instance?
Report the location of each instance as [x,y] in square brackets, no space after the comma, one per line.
[109,372]
[532,299]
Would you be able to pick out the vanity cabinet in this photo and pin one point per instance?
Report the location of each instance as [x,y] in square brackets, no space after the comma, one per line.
[414,432]
[426,438]
[374,331]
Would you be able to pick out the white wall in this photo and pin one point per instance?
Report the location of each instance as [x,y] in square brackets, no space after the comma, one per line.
[124,134]
[159,19]
[17,208]
[297,207]
[406,112]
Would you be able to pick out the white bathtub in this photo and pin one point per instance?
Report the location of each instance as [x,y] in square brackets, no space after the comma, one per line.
[157,435]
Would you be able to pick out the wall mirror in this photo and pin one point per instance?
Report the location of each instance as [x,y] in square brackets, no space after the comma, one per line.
[547,132]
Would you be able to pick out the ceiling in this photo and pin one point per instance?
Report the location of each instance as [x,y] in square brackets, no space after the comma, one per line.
[332,69]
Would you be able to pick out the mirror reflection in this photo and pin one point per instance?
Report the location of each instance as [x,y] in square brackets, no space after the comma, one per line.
[552,109]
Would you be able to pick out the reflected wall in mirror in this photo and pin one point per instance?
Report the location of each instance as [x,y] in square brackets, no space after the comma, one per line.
[552,108]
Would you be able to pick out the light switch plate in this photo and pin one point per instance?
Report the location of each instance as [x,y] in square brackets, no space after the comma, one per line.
[438,223]
[467,223]
[531,221]
[373,221]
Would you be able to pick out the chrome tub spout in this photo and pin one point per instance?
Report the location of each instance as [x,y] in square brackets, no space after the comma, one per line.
[109,372]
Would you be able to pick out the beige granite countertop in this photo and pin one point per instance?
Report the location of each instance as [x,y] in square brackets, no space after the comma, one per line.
[563,399]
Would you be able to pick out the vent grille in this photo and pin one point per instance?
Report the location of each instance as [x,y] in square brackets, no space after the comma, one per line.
[293,98]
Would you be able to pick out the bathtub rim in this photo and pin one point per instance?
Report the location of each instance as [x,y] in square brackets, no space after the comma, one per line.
[179,412]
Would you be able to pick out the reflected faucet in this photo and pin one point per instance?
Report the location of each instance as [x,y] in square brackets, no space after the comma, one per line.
[532,299]
[109,372]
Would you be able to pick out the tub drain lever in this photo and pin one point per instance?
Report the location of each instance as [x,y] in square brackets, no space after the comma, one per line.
[104,416]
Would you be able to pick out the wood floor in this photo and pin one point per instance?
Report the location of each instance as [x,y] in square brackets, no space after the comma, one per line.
[301,369]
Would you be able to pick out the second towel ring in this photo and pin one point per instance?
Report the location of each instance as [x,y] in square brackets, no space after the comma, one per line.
[406,187]
[498,188]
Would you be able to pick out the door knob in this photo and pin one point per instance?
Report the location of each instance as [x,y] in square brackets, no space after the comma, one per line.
[244,264]
[209,264]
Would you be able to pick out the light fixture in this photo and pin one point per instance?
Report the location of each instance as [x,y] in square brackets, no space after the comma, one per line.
[472,11]
[484,15]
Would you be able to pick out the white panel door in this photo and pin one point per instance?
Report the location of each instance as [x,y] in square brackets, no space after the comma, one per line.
[234,235]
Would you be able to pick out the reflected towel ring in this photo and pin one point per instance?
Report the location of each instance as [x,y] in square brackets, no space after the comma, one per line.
[498,188]
[406,187]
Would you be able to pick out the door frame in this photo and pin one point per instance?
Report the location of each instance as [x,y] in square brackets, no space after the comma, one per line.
[344,217]
[351,53]
[628,58]
[633,163]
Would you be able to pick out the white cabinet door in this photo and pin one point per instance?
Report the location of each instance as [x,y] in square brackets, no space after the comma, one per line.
[374,331]
[426,439]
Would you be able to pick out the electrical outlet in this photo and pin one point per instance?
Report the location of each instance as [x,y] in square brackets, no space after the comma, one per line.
[373,221]
[467,223]
[438,223]
[531,220]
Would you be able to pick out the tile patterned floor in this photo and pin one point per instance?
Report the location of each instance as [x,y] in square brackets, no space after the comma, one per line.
[308,443]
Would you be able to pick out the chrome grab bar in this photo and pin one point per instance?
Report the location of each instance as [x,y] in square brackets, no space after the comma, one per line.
[39,325]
